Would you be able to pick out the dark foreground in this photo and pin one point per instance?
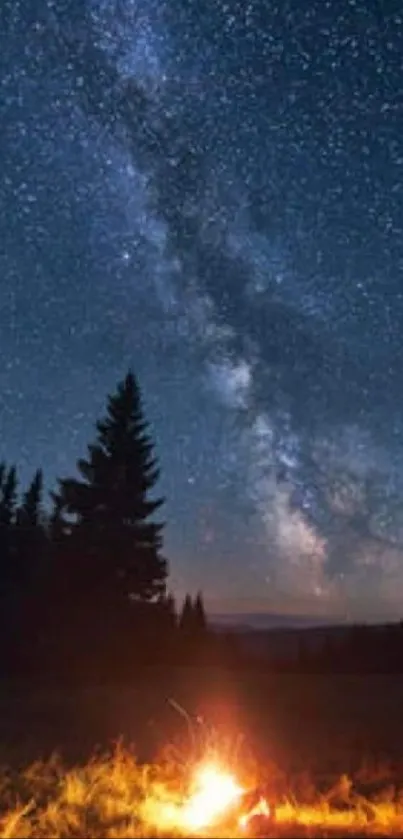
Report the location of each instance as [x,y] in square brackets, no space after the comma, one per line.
[317,723]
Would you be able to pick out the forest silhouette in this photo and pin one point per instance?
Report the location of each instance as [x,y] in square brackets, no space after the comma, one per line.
[84,584]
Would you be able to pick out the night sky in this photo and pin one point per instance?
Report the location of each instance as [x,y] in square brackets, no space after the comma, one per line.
[212,193]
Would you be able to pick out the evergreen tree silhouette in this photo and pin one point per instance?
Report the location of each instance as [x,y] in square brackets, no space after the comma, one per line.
[30,515]
[29,575]
[30,530]
[109,509]
[199,615]
[30,512]
[8,509]
[2,474]
[192,621]
[192,626]
[169,614]
[186,618]
[8,501]
[57,527]
[8,506]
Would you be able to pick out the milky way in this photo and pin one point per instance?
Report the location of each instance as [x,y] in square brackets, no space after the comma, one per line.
[212,193]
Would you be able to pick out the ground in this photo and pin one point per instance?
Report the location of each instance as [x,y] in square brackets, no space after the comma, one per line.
[301,733]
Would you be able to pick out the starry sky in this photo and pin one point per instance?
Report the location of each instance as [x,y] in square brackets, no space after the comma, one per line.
[212,193]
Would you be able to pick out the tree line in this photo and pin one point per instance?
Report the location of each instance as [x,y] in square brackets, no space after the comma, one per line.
[84,591]
[84,586]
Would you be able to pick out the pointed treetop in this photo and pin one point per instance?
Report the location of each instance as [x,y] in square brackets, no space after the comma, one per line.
[193,619]
[8,501]
[200,613]
[111,504]
[124,412]
[186,615]
[31,507]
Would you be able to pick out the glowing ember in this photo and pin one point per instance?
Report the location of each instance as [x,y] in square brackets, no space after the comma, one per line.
[214,792]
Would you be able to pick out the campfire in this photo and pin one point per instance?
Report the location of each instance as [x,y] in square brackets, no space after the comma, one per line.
[217,796]
[216,793]
[211,787]
[215,799]
[216,803]
[213,793]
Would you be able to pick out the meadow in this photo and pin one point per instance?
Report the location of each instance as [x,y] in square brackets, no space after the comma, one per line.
[302,737]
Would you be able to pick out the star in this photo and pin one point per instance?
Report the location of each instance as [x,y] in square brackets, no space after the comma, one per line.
[215,201]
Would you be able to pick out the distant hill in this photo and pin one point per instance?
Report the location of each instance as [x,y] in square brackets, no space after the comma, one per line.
[280,635]
[264,621]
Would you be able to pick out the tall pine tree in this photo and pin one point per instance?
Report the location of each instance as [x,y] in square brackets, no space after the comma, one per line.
[186,621]
[109,509]
[30,512]
[199,614]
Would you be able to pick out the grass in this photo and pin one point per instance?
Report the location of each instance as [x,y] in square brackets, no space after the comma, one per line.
[113,796]
[320,731]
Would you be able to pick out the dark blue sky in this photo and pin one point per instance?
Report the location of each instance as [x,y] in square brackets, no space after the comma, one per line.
[213,194]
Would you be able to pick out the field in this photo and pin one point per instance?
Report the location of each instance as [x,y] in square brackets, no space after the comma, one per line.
[301,735]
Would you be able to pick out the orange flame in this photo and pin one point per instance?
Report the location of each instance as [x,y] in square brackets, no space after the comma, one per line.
[261,809]
[214,792]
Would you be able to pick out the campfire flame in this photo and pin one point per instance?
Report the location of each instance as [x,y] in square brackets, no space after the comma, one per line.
[214,792]
[214,795]
[168,799]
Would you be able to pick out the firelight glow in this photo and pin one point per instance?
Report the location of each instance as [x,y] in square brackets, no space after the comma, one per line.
[214,792]
[261,809]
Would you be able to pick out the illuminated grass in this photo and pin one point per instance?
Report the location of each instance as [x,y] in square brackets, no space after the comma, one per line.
[114,796]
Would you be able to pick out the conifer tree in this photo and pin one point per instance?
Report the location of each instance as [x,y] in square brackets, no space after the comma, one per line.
[57,528]
[8,506]
[109,508]
[169,618]
[8,499]
[30,532]
[2,474]
[30,513]
[199,614]
[186,623]
[192,619]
